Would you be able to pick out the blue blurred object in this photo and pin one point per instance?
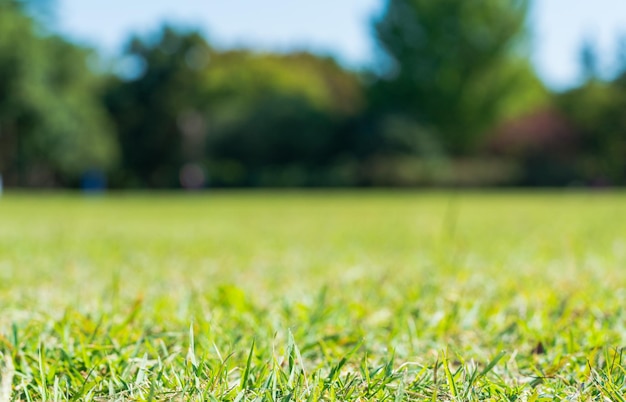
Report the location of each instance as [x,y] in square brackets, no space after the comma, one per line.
[93,182]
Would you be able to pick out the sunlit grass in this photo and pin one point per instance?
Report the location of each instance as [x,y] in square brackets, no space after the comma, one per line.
[308,296]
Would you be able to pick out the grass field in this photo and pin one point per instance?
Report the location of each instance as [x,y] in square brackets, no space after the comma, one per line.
[313,296]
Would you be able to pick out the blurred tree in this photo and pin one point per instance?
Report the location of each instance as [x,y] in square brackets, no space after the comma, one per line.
[579,138]
[620,60]
[451,65]
[282,113]
[589,60]
[544,146]
[243,116]
[52,127]
[597,111]
[42,9]
[160,106]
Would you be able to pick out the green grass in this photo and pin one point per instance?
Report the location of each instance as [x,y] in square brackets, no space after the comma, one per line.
[313,296]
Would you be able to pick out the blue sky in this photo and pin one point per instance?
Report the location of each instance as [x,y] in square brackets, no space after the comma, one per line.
[337,27]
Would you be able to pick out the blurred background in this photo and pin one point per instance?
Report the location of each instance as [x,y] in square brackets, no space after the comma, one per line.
[396,93]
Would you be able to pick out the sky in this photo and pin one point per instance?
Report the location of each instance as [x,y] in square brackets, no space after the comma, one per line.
[341,28]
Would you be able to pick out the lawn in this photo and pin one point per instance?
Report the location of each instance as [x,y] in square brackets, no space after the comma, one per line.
[345,296]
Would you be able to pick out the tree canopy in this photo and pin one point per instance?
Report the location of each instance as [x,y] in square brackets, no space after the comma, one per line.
[451,65]
[242,116]
[52,126]
[453,99]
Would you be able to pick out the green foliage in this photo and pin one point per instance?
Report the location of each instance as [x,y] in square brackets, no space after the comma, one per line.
[526,92]
[52,127]
[578,137]
[454,101]
[277,112]
[161,113]
[319,81]
[240,115]
[452,65]
[313,296]
[597,111]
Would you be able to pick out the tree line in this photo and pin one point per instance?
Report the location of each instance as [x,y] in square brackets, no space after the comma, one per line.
[450,100]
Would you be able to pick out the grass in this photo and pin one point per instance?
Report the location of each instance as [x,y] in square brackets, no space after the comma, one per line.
[313,296]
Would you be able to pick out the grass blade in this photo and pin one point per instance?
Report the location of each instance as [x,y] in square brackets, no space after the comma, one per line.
[449,376]
[246,374]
